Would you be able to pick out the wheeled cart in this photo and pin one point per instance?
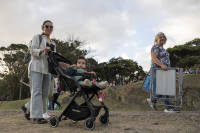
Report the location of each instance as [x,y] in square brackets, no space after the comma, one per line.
[164,82]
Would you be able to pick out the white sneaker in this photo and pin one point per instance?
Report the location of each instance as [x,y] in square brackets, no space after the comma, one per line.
[172,110]
[46,115]
[103,84]
[87,82]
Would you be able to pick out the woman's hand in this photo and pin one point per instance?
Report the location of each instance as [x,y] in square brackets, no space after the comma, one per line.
[164,67]
[45,50]
[94,73]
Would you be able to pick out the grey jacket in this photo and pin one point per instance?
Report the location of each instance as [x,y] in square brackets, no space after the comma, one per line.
[39,61]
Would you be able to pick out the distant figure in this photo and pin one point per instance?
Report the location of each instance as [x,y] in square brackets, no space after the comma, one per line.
[134,80]
[110,85]
[113,83]
[7,99]
[197,71]
[2,98]
[124,83]
[191,71]
[186,72]
[139,78]
[56,94]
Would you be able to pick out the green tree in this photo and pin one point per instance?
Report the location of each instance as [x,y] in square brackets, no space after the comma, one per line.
[12,62]
[186,55]
[13,65]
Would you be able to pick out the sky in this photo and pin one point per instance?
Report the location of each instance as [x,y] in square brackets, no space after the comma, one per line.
[112,28]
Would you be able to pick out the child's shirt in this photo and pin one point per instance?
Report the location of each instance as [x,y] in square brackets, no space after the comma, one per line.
[77,73]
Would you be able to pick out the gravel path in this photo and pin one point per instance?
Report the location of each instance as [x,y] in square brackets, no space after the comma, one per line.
[13,121]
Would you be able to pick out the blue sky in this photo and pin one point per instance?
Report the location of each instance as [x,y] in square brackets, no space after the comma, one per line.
[112,27]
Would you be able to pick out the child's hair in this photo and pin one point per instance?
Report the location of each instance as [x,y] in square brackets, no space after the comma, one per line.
[81,57]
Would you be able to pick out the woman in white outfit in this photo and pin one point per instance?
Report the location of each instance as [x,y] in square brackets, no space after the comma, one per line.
[39,75]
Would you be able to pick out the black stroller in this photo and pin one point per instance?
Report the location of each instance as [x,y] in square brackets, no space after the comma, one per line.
[86,111]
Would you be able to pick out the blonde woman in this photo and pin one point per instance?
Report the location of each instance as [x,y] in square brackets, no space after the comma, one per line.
[160,59]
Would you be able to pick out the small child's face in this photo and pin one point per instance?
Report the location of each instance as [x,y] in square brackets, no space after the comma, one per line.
[81,63]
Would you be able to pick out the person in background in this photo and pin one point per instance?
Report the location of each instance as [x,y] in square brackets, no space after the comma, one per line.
[191,71]
[107,85]
[56,93]
[113,83]
[134,80]
[123,83]
[50,105]
[197,71]
[110,85]
[2,98]
[139,78]
[7,99]
[186,71]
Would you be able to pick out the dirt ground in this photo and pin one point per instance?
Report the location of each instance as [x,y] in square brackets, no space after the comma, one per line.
[136,122]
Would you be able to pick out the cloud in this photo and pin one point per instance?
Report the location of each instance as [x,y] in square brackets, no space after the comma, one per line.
[124,56]
[130,44]
[148,49]
[112,28]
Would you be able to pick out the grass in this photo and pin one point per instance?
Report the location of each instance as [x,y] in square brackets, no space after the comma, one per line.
[117,105]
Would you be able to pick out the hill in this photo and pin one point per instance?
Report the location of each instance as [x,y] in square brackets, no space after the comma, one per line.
[129,97]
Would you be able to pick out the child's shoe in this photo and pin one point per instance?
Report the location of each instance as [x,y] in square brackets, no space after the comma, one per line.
[103,84]
[87,82]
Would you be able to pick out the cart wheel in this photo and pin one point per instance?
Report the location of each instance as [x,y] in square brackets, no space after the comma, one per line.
[89,126]
[73,121]
[53,121]
[103,120]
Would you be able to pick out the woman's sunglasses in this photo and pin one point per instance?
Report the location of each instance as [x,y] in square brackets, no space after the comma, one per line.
[47,26]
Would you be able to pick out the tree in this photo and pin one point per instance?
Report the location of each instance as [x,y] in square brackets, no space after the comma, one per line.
[186,55]
[13,65]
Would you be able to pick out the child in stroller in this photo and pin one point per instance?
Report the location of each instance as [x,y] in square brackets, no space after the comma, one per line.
[77,71]
[78,87]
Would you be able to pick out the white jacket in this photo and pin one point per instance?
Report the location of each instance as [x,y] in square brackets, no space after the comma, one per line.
[39,61]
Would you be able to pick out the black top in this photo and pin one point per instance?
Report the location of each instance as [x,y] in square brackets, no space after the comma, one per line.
[51,46]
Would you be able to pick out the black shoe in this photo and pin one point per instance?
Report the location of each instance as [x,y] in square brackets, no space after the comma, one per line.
[27,116]
[39,121]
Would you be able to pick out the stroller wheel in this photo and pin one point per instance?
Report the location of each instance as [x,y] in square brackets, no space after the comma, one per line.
[89,126]
[103,120]
[53,121]
[73,121]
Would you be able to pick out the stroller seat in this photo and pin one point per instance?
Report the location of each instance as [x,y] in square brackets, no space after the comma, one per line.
[73,111]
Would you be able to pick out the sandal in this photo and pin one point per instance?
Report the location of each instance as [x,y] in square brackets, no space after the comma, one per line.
[27,116]
[39,121]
